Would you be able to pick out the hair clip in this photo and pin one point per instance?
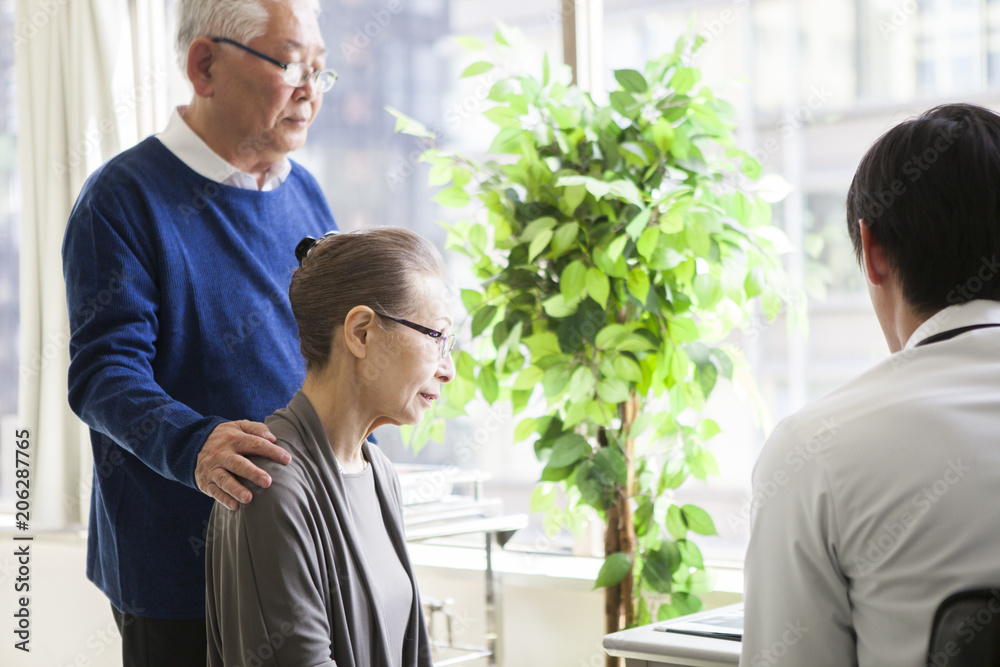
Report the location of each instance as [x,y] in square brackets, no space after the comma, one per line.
[306,245]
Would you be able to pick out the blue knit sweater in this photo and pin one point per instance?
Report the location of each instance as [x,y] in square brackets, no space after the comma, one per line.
[179,316]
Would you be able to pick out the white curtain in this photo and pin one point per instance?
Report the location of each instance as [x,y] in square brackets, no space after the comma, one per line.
[90,81]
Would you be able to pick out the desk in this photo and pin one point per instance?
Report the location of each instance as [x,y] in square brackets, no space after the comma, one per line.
[649,646]
[453,515]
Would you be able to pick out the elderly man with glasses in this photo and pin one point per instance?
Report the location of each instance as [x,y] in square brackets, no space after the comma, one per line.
[176,372]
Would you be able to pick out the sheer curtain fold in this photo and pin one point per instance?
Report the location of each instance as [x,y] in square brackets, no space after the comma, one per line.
[88,85]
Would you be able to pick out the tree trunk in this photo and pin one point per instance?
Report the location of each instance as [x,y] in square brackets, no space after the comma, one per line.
[619,533]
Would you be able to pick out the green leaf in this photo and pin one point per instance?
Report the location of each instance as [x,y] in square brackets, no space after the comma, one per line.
[707,290]
[594,186]
[659,566]
[698,520]
[460,176]
[543,498]
[502,116]
[685,603]
[482,319]
[610,467]
[647,242]
[465,365]
[478,238]
[508,140]
[564,237]
[638,283]
[408,125]
[528,378]
[538,244]
[524,429]
[437,430]
[572,282]
[643,616]
[684,79]
[754,283]
[643,515]
[469,43]
[683,329]
[598,286]
[627,190]
[663,134]
[555,380]
[542,344]
[690,553]
[616,247]
[611,336]
[568,449]
[623,102]
[708,429]
[477,68]
[545,69]
[453,197]
[488,384]
[638,224]
[631,80]
[674,474]
[581,384]
[571,198]
[471,299]
[751,168]
[614,570]
[613,390]
[536,227]
[627,368]
[559,306]
[675,522]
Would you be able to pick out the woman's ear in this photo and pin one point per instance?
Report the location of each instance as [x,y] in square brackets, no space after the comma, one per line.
[357,329]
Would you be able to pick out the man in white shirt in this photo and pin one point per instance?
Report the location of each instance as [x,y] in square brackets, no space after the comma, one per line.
[879,500]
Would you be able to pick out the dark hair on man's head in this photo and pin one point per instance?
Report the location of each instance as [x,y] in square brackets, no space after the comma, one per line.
[929,190]
[377,267]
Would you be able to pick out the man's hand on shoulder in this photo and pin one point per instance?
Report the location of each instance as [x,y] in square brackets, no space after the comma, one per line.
[224,456]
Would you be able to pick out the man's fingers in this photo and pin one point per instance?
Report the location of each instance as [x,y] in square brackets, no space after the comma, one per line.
[260,447]
[243,467]
[216,492]
[256,428]
[230,485]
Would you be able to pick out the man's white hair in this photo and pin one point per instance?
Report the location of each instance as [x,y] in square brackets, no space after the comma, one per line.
[239,20]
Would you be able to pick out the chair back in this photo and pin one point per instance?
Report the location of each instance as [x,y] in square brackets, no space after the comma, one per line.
[966,630]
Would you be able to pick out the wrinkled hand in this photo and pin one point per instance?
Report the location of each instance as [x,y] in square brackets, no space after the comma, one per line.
[224,455]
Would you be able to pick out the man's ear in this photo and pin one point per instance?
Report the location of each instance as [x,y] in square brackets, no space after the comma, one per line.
[200,59]
[357,329]
[872,256]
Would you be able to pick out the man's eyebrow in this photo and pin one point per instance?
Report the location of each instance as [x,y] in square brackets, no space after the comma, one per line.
[293,45]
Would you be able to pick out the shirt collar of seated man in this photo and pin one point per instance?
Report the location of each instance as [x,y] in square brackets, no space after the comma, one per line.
[242,108]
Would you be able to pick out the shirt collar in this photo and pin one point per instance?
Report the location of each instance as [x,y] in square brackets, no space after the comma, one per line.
[978,311]
[182,141]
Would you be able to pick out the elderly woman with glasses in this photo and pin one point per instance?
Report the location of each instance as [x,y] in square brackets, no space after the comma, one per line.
[315,570]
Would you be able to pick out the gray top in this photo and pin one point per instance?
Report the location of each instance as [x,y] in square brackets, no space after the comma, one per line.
[392,585]
[296,577]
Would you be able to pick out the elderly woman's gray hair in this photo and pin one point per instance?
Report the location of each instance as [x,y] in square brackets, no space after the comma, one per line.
[239,20]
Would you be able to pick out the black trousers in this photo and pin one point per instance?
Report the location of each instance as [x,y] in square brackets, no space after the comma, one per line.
[159,642]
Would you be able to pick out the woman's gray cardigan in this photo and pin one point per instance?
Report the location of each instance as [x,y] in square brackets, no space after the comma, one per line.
[287,584]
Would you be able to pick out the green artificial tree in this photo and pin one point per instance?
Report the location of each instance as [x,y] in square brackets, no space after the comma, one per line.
[616,246]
